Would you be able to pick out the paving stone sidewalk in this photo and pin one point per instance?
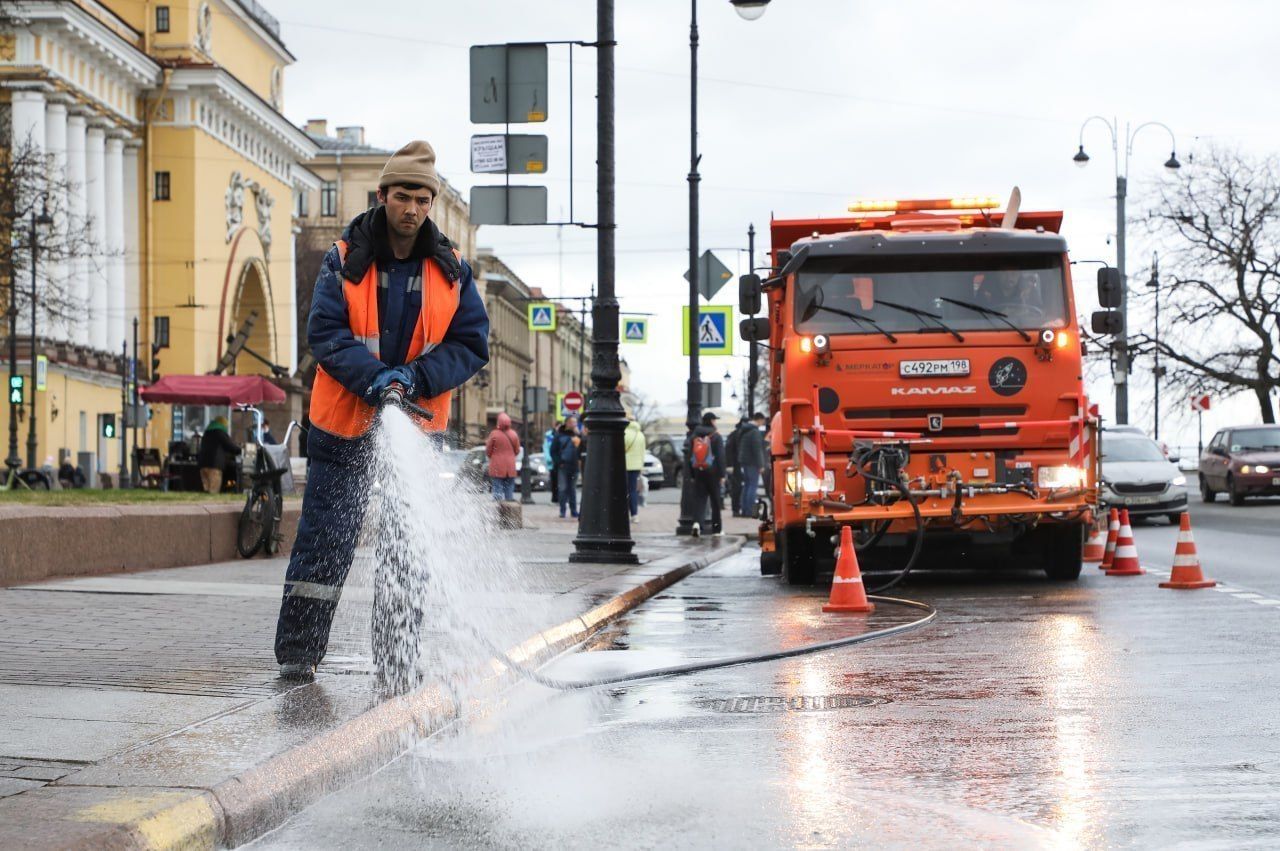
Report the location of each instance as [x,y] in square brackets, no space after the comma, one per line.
[165,679]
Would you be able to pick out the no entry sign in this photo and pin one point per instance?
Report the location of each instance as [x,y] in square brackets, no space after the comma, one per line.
[573,402]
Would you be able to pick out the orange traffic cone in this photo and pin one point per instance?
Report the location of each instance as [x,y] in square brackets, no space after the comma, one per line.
[1113,532]
[1095,549]
[847,591]
[1186,563]
[1126,560]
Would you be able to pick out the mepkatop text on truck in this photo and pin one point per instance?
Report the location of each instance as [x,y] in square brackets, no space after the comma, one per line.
[925,388]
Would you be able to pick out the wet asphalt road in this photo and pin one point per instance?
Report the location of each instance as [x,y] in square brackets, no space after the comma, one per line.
[1103,713]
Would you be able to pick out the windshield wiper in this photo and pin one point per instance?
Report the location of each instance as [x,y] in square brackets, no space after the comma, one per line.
[858,317]
[915,311]
[987,311]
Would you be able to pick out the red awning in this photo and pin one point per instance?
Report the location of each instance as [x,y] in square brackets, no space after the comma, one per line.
[213,390]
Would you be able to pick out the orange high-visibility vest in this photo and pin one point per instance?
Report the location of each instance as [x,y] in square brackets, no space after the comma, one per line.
[336,409]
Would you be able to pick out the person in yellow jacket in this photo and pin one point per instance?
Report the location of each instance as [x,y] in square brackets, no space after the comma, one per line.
[634,443]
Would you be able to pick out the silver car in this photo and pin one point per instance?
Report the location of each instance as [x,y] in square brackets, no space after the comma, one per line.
[1136,475]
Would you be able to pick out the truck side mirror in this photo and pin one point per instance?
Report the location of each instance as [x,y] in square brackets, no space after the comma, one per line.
[754,330]
[749,294]
[1107,322]
[1109,286]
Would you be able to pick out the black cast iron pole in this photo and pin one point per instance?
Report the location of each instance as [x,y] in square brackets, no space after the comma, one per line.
[604,525]
[31,391]
[13,461]
[526,488]
[753,368]
[690,511]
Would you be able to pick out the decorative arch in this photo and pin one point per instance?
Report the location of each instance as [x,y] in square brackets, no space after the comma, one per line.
[246,286]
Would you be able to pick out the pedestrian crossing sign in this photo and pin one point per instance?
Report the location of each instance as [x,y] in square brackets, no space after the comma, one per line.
[714,324]
[542,316]
[635,329]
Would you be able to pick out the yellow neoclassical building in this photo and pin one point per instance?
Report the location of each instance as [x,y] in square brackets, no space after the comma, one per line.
[165,119]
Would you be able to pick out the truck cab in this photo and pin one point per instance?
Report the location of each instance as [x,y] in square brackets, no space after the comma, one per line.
[925,380]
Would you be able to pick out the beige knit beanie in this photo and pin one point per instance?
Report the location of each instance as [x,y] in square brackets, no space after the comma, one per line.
[414,163]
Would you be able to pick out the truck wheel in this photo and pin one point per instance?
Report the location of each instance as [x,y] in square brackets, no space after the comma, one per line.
[770,563]
[1207,493]
[1064,549]
[798,557]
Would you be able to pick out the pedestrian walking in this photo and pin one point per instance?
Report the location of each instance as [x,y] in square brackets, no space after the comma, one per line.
[706,466]
[394,305]
[752,458]
[567,449]
[216,449]
[633,443]
[547,455]
[268,439]
[502,447]
[733,477]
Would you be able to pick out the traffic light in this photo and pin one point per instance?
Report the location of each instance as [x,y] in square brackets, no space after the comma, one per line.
[155,360]
[108,425]
[17,389]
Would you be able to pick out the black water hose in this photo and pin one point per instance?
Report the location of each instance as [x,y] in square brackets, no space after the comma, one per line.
[395,395]
[860,463]
[729,662]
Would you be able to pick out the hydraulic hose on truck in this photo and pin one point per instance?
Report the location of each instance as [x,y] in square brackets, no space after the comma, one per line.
[859,463]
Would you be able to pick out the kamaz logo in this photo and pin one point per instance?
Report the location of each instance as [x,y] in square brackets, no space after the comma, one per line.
[953,390]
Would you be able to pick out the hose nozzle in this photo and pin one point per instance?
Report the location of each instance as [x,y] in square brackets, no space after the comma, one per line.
[395,395]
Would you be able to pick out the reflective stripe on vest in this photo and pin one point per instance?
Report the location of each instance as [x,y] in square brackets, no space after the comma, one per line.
[339,411]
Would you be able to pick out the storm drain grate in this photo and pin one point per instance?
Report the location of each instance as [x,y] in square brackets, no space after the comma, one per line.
[796,703]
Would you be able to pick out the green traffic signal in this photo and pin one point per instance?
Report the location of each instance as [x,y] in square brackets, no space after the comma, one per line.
[17,389]
[108,425]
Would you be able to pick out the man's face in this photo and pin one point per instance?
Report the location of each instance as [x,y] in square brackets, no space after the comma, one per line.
[572,422]
[406,208]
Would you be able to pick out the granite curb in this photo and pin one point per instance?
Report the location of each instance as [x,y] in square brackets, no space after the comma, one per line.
[253,802]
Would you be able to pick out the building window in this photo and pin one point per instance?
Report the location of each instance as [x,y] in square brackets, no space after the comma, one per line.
[300,204]
[329,198]
[161,337]
[373,198]
[162,186]
[162,19]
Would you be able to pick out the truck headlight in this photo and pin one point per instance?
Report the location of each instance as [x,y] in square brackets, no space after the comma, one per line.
[1062,476]
[811,484]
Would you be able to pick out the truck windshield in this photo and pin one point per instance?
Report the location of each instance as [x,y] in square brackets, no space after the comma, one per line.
[911,294]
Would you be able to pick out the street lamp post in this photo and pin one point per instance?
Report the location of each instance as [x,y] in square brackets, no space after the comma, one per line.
[39,225]
[604,527]
[690,510]
[753,348]
[1154,284]
[526,486]
[1122,184]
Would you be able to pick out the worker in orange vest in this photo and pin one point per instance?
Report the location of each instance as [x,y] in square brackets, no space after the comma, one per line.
[395,312]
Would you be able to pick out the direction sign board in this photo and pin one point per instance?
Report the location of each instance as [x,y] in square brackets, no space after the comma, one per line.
[573,401]
[635,329]
[1200,402]
[714,324]
[508,83]
[508,205]
[712,275]
[542,316]
[513,153]
[42,372]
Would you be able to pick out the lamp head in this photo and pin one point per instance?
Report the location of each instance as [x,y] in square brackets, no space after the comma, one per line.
[1172,163]
[750,10]
[1081,159]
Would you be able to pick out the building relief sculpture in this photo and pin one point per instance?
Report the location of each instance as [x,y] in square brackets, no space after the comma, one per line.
[262,203]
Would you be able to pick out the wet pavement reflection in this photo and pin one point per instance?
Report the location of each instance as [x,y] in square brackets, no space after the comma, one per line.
[1102,713]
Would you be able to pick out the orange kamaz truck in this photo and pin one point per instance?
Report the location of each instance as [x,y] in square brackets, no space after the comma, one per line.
[925,387]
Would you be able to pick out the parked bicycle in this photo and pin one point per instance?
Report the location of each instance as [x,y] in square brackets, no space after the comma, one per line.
[259,524]
[18,479]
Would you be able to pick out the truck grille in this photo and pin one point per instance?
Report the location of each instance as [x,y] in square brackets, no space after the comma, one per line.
[1134,489]
[948,411]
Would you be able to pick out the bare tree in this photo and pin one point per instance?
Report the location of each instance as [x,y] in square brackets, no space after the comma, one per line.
[644,411]
[1219,232]
[30,186]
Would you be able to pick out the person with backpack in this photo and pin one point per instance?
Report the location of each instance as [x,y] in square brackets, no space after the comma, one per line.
[502,447]
[706,467]
[567,452]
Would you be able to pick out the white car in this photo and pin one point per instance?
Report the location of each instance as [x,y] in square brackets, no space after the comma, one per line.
[653,471]
[1136,475]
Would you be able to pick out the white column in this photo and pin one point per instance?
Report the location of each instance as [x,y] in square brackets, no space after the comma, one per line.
[77,209]
[27,110]
[57,281]
[114,164]
[95,186]
[132,239]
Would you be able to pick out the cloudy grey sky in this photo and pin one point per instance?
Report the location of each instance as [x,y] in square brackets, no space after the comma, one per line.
[817,103]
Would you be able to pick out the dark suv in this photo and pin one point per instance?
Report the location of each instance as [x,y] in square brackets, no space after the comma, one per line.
[1241,461]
